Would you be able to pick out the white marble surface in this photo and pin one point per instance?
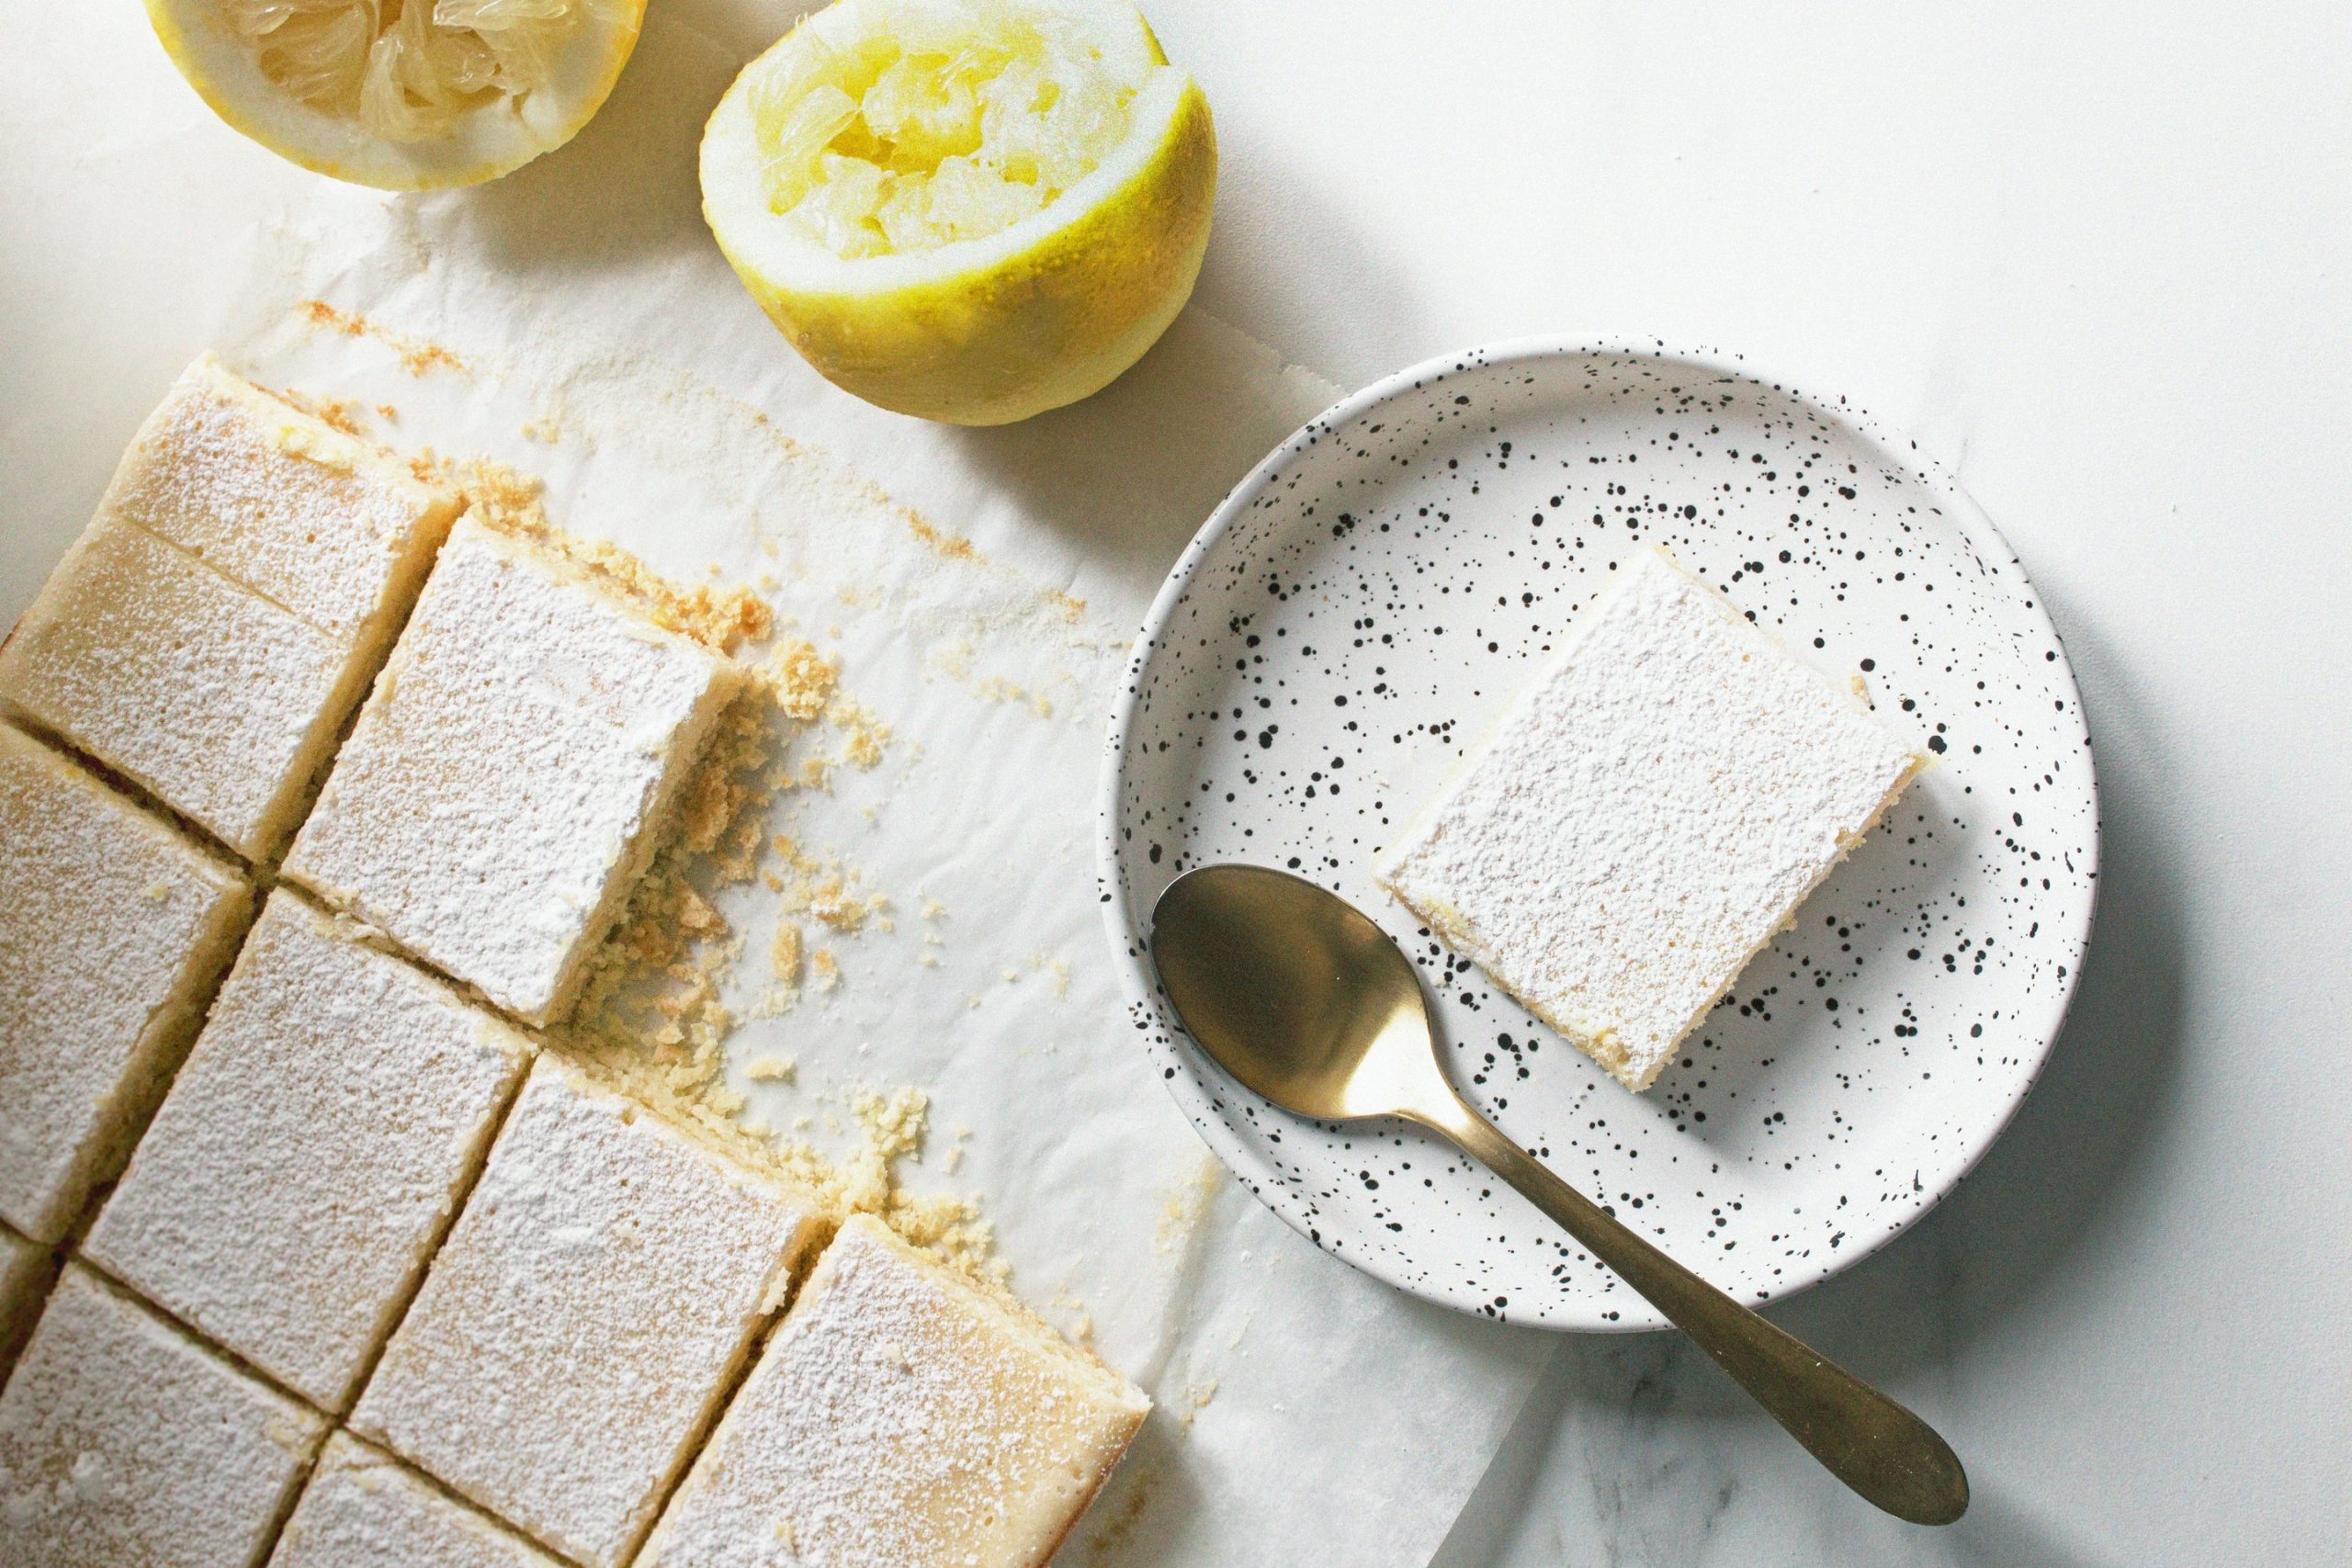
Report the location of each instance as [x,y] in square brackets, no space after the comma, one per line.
[2094,258]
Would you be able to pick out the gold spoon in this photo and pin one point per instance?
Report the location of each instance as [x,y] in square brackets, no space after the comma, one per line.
[1297,994]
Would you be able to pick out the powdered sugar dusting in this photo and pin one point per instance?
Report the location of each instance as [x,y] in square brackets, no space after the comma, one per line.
[363,1507]
[1646,817]
[122,1441]
[219,701]
[496,797]
[328,527]
[105,915]
[901,1415]
[589,1307]
[289,1191]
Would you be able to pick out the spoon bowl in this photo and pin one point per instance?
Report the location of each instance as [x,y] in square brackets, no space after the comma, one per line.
[1301,997]
[1297,993]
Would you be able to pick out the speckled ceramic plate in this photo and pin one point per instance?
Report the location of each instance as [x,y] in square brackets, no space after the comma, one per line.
[1367,600]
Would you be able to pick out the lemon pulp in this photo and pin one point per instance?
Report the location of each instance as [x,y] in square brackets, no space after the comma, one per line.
[950,125]
[406,69]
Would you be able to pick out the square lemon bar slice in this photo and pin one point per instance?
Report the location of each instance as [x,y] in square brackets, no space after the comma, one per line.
[312,1152]
[1646,817]
[332,528]
[591,1308]
[363,1507]
[114,928]
[122,1440]
[508,780]
[212,628]
[901,1415]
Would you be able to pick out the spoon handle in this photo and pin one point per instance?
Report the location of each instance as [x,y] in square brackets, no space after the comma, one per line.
[1867,1441]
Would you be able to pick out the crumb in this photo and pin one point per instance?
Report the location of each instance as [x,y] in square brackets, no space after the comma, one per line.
[829,972]
[771,1069]
[865,735]
[417,356]
[1196,1399]
[1185,1205]
[802,678]
[337,413]
[954,546]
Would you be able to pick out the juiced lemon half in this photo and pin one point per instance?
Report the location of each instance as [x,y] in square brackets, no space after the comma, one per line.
[407,94]
[970,211]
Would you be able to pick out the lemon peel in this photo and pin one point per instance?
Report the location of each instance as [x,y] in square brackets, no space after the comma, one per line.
[403,94]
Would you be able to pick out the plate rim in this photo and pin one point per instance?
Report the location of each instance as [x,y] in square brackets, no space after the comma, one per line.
[1991,546]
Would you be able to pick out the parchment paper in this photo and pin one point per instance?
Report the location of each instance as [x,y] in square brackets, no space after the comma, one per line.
[1306,1415]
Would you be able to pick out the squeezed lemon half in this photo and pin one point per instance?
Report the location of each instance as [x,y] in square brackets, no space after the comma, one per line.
[970,212]
[406,95]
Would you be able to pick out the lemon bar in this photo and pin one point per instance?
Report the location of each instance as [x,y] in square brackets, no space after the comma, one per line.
[331,528]
[220,703]
[114,928]
[901,1417]
[311,1154]
[591,1307]
[26,1269]
[124,1441]
[1646,817]
[505,782]
[363,1507]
